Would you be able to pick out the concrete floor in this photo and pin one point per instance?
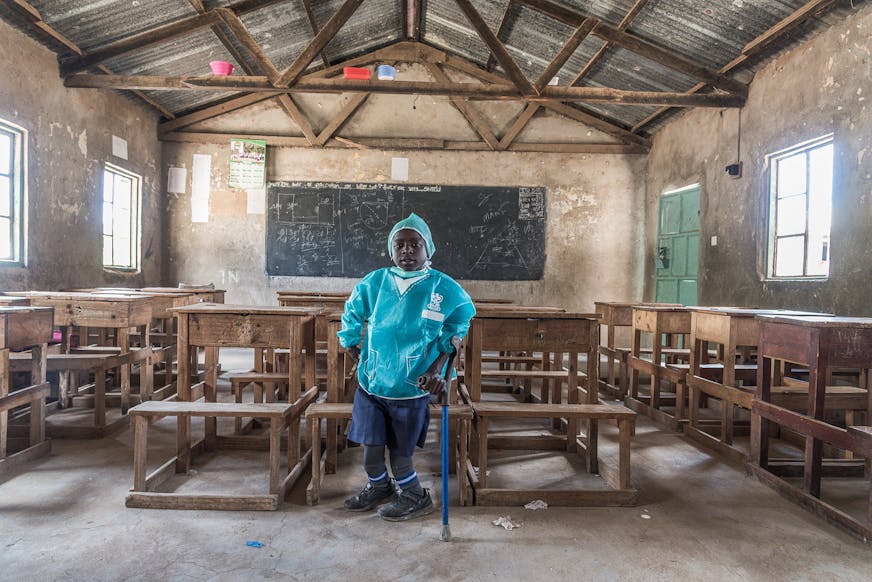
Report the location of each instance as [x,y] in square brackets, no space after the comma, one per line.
[699,518]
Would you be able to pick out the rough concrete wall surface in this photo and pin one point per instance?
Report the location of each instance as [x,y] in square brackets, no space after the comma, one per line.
[821,87]
[594,206]
[69,138]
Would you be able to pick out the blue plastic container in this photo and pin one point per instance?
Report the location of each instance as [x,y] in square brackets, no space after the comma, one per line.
[386,73]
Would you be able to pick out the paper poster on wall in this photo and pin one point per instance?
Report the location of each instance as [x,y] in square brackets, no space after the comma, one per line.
[247,163]
[256,201]
[177,180]
[119,147]
[200,178]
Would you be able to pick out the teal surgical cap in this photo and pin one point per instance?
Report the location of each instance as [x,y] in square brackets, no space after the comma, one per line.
[416,223]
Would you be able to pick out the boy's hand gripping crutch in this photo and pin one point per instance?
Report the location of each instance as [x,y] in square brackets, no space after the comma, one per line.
[445,535]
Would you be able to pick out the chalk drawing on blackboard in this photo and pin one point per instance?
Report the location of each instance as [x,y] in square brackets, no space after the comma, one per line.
[501,251]
[374,215]
[305,208]
[531,204]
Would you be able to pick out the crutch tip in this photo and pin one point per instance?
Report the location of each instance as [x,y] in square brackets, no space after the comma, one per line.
[445,536]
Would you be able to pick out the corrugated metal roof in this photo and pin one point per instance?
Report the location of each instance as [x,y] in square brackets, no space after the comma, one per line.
[708,32]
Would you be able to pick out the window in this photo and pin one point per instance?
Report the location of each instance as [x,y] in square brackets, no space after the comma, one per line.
[12,140]
[800,210]
[120,219]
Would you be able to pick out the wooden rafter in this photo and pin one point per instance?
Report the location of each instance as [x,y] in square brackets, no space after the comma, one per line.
[641,47]
[472,90]
[237,28]
[412,25]
[290,75]
[213,111]
[295,113]
[156,35]
[313,24]
[224,38]
[808,10]
[513,71]
[584,29]
[33,16]
[339,120]
[597,57]
[475,121]
[501,31]
[519,124]
[411,143]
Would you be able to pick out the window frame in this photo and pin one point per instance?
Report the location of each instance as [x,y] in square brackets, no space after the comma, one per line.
[17,193]
[772,161]
[135,226]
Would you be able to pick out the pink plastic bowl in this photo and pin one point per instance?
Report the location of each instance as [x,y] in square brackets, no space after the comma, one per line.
[222,68]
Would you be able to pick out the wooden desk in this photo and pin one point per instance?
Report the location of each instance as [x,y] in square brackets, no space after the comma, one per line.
[214,325]
[13,301]
[819,343]
[200,295]
[541,330]
[659,321]
[24,328]
[110,311]
[615,314]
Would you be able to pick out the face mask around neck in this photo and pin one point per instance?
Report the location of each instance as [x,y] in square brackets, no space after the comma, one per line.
[409,274]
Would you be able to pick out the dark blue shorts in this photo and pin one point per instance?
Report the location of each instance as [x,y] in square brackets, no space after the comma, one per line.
[398,424]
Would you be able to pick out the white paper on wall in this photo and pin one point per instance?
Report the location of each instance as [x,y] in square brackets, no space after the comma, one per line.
[400,169]
[119,147]
[201,176]
[177,180]
[256,201]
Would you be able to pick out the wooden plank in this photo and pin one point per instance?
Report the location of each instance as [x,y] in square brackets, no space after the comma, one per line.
[497,48]
[155,35]
[518,125]
[310,15]
[581,32]
[14,462]
[290,107]
[501,29]
[516,410]
[528,443]
[475,121]
[808,10]
[340,118]
[152,500]
[160,475]
[625,22]
[561,498]
[213,111]
[290,75]
[237,28]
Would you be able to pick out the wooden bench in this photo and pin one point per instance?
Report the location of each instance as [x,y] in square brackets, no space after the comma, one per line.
[342,411]
[621,493]
[37,446]
[281,416]
[268,387]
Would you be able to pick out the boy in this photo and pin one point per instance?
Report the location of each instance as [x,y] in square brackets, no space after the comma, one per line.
[411,312]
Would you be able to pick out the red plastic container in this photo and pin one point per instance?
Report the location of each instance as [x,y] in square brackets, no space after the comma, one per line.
[222,68]
[360,73]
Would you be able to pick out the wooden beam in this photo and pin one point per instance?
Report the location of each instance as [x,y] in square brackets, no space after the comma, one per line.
[519,124]
[496,46]
[584,29]
[297,115]
[341,118]
[414,16]
[409,143]
[227,42]
[472,90]
[501,30]
[811,8]
[317,44]
[237,28]
[313,24]
[475,121]
[595,59]
[156,35]
[598,124]
[640,46]
[213,111]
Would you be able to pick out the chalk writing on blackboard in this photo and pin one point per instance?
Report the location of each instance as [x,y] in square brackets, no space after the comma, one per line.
[334,229]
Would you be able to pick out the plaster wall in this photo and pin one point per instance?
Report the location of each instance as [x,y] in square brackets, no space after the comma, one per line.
[69,139]
[595,206]
[821,87]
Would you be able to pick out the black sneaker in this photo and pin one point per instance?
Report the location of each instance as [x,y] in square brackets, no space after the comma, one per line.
[371,496]
[408,505]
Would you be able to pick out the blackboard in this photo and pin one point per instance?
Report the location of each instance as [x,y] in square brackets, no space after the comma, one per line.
[328,229]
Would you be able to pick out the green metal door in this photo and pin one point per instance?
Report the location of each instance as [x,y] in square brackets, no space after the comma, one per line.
[677,250]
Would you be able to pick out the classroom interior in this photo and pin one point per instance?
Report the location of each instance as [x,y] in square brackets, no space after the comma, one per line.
[660,208]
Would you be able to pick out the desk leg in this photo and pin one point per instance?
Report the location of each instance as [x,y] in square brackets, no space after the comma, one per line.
[146,368]
[572,397]
[473,362]
[210,391]
[183,359]
[482,451]
[634,373]
[140,450]
[314,490]
[100,398]
[124,344]
[39,366]
[64,376]
[610,342]
[557,388]
[295,360]
[4,391]
[817,384]
[760,425]
[183,444]
[275,455]
[592,445]
[625,429]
